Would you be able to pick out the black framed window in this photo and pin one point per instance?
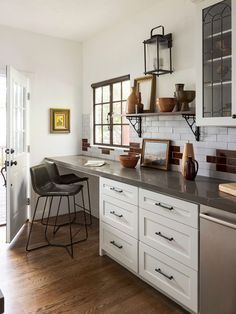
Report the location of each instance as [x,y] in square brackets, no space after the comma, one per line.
[111,128]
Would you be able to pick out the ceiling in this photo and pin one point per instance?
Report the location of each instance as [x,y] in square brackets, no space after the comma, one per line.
[70,19]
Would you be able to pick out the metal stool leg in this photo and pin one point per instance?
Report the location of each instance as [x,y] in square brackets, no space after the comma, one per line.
[71,243]
[44,209]
[49,213]
[54,229]
[89,202]
[85,222]
[74,207]
[31,228]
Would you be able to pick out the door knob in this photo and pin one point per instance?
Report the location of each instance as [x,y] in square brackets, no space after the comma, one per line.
[13,163]
[9,151]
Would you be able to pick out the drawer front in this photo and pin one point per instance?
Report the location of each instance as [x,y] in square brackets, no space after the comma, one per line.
[170,237]
[177,280]
[120,246]
[119,190]
[121,215]
[173,208]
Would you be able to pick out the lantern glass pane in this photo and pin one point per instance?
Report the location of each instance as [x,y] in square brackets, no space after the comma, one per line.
[164,58]
[151,56]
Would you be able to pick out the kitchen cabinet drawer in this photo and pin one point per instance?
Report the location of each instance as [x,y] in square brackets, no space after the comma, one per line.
[170,237]
[119,245]
[119,190]
[170,207]
[168,275]
[121,215]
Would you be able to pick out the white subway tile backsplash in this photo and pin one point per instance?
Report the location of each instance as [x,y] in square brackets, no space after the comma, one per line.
[176,129]
[231,146]
[232,131]
[231,138]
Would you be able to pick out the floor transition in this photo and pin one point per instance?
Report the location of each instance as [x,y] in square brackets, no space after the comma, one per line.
[49,281]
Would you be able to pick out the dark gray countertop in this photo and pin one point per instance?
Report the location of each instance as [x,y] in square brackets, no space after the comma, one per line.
[203,190]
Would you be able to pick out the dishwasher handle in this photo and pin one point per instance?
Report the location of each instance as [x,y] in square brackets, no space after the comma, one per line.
[217,220]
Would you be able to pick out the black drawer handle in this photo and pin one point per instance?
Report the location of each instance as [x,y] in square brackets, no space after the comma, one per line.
[116,190]
[117,245]
[115,214]
[163,236]
[158,270]
[234,116]
[164,206]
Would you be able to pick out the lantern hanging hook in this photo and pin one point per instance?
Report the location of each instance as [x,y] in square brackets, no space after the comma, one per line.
[160,26]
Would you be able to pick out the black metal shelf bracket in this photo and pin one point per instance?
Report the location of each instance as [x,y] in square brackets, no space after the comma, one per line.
[136,123]
[191,121]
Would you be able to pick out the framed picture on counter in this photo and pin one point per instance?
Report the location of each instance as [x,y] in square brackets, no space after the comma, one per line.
[59,120]
[155,153]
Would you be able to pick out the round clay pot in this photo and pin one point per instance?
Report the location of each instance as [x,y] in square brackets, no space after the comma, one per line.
[165,104]
[129,161]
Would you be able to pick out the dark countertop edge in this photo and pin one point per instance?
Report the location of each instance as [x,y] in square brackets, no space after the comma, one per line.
[170,192]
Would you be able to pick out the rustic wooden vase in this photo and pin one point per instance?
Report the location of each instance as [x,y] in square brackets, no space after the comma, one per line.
[187,152]
[132,100]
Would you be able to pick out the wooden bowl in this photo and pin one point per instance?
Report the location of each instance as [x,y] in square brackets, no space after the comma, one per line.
[165,104]
[129,161]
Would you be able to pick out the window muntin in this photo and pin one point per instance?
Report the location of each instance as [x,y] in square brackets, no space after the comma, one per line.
[109,97]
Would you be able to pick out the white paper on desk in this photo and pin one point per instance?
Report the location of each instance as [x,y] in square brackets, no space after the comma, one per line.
[95,163]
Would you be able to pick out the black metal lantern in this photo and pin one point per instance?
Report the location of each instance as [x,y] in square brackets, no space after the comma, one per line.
[157,53]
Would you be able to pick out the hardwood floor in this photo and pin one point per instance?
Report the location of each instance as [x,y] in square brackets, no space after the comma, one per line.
[49,281]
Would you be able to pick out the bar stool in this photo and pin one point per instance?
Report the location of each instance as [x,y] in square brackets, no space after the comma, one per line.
[70,178]
[45,188]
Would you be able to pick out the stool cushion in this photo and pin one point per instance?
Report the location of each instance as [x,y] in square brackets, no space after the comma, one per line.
[71,178]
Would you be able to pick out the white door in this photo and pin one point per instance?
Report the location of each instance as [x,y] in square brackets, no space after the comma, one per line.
[16,151]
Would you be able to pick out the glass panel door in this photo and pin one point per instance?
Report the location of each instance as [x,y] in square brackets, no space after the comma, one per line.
[217,60]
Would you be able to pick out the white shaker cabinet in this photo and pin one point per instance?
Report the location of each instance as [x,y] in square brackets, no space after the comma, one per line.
[153,235]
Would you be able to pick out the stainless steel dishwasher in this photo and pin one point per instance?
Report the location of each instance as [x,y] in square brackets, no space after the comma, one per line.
[217,261]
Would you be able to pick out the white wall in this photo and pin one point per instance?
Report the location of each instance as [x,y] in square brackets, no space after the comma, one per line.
[119,50]
[54,67]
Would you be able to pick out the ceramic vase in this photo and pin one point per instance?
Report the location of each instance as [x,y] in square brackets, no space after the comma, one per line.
[187,152]
[132,100]
[191,169]
[178,87]
[140,105]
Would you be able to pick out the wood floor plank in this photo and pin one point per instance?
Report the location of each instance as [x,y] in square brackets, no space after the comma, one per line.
[48,281]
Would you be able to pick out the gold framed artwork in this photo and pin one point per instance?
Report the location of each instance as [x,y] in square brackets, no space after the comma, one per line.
[146,85]
[155,153]
[59,120]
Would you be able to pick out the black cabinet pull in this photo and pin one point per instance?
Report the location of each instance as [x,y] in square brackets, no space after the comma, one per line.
[117,245]
[164,206]
[163,236]
[158,270]
[234,116]
[13,163]
[116,190]
[115,214]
